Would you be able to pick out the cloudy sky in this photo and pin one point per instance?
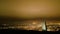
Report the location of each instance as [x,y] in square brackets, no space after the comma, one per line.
[30,8]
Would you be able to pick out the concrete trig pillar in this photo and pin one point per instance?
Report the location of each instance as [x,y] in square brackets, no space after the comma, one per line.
[44,28]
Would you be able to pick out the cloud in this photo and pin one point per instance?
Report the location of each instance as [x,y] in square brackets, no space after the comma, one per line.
[30,9]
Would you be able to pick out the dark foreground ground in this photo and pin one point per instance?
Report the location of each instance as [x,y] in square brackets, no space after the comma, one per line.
[22,31]
[10,31]
[17,30]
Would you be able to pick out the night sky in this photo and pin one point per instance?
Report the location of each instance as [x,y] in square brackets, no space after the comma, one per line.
[28,9]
